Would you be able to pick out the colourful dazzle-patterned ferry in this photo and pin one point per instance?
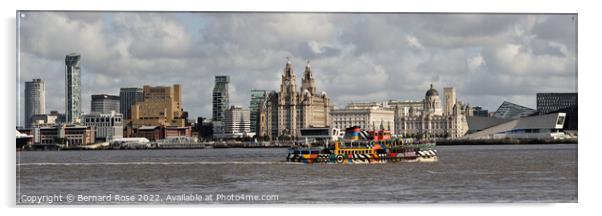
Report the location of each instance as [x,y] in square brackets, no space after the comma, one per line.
[363,147]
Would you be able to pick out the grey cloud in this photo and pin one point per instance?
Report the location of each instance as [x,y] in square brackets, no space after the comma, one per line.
[153,36]
[558,28]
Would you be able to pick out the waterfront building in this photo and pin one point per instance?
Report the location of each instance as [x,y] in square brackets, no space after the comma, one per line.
[154,133]
[221,97]
[162,105]
[258,98]
[237,123]
[366,116]
[478,123]
[411,120]
[512,111]
[35,100]
[548,126]
[75,135]
[108,126]
[103,103]
[72,88]
[449,95]
[294,108]
[47,135]
[176,131]
[70,135]
[559,102]
[127,98]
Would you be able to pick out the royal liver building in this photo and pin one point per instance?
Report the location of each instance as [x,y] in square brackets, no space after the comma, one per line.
[291,109]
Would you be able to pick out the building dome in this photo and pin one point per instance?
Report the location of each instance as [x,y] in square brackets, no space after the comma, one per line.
[432,92]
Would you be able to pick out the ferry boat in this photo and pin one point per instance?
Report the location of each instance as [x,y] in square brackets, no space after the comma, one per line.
[363,147]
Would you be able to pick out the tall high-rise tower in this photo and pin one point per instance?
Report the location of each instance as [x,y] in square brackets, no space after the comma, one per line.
[258,99]
[127,98]
[221,97]
[450,100]
[34,99]
[72,88]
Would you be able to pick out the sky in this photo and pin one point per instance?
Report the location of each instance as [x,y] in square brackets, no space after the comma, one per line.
[355,57]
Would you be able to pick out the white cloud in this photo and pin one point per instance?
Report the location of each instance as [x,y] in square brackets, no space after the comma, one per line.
[413,42]
[53,35]
[476,62]
[355,57]
[152,36]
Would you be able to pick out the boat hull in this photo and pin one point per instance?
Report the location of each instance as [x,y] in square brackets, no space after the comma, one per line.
[362,158]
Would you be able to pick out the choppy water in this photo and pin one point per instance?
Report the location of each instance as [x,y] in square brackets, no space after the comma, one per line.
[505,173]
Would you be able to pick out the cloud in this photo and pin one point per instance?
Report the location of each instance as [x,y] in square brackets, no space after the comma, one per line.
[489,58]
[150,36]
[53,35]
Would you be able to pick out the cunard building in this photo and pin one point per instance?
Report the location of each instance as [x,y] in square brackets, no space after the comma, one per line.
[292,108]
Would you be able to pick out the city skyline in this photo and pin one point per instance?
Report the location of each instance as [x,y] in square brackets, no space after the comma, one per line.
[487,58]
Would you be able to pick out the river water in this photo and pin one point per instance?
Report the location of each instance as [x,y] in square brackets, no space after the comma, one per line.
[488,173]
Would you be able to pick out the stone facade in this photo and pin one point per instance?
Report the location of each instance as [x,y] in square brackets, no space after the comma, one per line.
[449,95]
[291,109]
[70,135]
[162,106]
[366,116]
[432,122]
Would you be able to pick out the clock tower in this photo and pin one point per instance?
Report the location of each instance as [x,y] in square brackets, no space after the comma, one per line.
[287,101]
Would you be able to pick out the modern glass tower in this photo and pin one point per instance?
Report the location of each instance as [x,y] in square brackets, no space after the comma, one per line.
[103,103]
[221,98]
[72,88]
[34,99]
[258,97]
[127,98]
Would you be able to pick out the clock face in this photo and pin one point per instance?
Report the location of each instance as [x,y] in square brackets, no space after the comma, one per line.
[286,82]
